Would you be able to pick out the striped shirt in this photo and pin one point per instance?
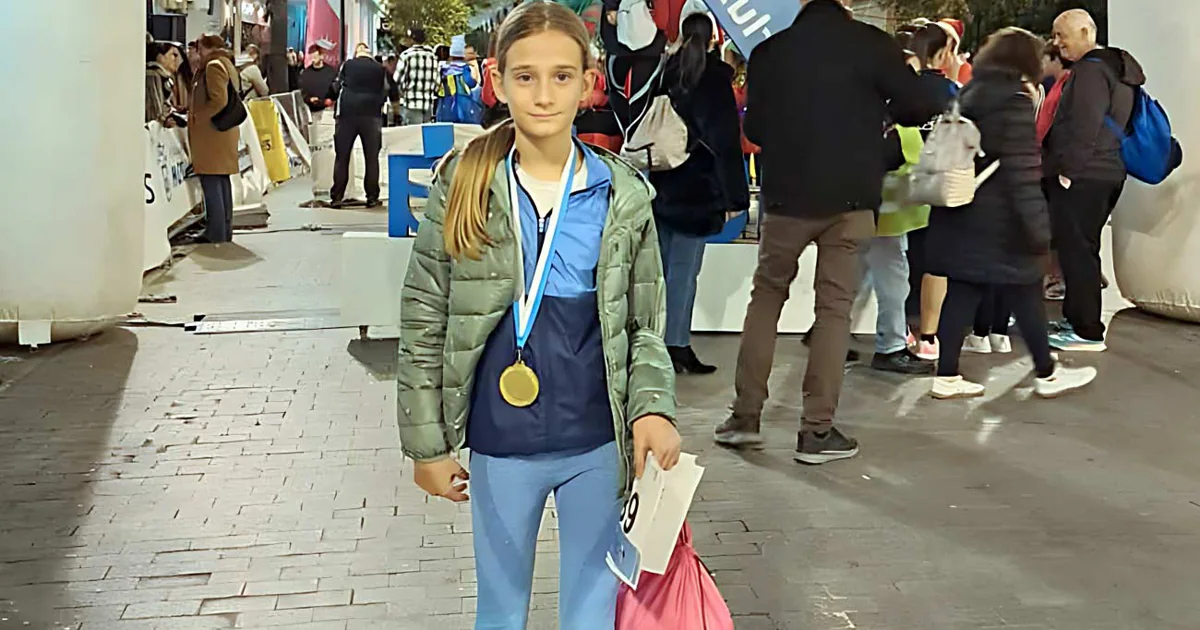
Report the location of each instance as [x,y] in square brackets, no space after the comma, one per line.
[417,76]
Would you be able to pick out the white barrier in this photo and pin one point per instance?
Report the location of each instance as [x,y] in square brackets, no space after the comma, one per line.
[321,140]
[169,196]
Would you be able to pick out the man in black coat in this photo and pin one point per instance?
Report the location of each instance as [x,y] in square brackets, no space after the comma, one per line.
[818,95]
[1083,163]
[364,90]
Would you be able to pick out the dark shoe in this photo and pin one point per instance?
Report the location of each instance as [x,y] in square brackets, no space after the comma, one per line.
[686,361]
[822,448]
[902,362]
[337,205]
[852,355]
[374,203]
[738,433]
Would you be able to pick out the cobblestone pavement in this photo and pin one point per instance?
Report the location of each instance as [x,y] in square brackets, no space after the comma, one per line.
[155,479]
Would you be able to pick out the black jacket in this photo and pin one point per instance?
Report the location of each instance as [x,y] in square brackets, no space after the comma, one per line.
[1081,144]
[364,88]
[817,104]
[999,238]
[317,83]
[694,198]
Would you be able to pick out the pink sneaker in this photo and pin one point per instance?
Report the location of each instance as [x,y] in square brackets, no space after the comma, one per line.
[928,350]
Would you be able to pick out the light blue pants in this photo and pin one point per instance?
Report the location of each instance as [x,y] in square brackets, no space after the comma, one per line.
[682,255]
[885,261]
[508,495]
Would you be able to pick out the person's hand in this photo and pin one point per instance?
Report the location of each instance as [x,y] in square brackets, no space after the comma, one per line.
[313,99]
[1064,182]
[442,478]
[611,16]
[655,434]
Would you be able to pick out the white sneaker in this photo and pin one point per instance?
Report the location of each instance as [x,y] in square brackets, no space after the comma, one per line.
[1064,380]
[952,387]
[928,350]
[977,345]
[1001,344]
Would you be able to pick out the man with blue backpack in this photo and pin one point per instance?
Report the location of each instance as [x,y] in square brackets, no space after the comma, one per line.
[1106,128]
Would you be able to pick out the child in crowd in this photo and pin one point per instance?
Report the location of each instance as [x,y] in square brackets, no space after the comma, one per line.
[532,332]
[936,50]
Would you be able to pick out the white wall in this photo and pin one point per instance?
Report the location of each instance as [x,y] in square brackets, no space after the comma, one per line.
[71,163]
[1156,230]
[199,22]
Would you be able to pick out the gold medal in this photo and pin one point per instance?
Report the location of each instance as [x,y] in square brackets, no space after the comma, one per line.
[519,385]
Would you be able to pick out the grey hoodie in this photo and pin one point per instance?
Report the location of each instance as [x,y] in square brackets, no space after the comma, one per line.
[1082,144]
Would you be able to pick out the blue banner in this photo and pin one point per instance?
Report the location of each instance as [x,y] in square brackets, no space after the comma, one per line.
[750,22]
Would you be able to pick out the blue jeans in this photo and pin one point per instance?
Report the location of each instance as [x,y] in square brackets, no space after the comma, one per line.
[886,262]
[508,495]
[682,255]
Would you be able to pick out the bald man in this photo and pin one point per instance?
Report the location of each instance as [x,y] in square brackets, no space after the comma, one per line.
[1084,170]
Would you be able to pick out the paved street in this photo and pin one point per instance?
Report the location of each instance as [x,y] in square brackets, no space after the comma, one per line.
[151,478]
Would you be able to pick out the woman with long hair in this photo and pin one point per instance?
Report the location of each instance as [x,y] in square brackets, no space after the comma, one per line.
[997,243]
[694,198]
[531,332]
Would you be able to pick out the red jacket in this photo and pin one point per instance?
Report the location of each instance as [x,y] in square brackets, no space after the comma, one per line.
[1049,109]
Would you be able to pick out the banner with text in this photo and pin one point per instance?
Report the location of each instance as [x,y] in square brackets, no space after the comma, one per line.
[750,22]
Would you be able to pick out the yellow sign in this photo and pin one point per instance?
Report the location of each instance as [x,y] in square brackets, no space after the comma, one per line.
[270,136]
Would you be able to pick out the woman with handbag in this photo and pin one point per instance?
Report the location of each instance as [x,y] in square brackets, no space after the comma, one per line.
[997,242]
[693,198]
[213,134]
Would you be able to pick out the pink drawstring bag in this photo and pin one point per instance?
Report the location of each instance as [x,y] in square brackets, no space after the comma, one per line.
[683,598]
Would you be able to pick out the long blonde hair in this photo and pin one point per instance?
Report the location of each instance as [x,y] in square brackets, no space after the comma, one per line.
[465,229]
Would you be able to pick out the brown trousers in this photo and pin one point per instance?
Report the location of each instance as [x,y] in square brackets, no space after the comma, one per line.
[783,240]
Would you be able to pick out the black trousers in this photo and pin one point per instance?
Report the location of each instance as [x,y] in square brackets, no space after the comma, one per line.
[1078,216]
[218,208]
[991,318]
[349,128]
[958,312]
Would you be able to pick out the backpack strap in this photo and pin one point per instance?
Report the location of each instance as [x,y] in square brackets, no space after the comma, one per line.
[646,89]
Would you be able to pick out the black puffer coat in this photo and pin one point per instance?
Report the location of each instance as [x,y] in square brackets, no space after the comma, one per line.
[999,238]
[694,198]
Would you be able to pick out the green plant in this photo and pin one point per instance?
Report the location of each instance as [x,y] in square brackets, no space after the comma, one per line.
[441,19]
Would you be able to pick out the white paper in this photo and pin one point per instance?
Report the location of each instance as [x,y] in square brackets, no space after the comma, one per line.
[654,512]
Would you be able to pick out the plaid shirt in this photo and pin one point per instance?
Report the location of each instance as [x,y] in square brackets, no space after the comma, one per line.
[417,75]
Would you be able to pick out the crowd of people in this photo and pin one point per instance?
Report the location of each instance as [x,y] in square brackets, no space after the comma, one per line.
[1044,112]
[547,305]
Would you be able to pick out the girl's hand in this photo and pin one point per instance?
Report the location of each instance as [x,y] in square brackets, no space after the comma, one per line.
[442,478]
[655,434]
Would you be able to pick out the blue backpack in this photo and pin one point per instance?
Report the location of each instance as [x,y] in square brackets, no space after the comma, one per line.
[1149,150]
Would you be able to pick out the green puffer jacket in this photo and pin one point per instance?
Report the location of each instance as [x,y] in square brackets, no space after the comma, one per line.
[449,307]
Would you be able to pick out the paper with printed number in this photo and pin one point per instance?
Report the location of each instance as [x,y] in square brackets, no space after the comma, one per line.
[652,518]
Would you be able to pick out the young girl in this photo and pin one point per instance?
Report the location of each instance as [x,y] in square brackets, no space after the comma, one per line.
[532,332]
[937,53]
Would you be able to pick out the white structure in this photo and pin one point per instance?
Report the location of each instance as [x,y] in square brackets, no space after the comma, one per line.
[1156,231]
[71,217]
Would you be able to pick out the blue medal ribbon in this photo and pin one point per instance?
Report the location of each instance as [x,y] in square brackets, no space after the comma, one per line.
[529,302]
